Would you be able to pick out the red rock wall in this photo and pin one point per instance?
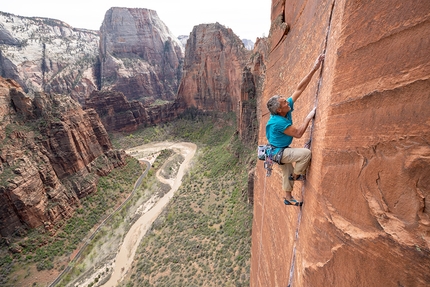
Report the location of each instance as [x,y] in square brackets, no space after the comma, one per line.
[120,115]
[213,64]
[365,219]
[140,57]
[51,155]
[251,92]
[116,113]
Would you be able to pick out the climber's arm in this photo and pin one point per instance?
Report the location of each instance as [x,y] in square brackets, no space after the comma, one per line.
[305,81]
[297,132]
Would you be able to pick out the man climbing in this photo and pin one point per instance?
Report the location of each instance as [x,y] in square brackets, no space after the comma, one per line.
[280,132]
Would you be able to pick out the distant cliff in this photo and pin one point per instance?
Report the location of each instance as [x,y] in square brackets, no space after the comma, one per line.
[253,76]
[213,65]
[134,57]
[139,56]
[119,114]
[48,55]
[52,153]
[133,53]
[366,217]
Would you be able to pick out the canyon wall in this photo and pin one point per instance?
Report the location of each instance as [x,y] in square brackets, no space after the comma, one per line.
[213,66]
[133,53]
[134,59]
[365,218]
[121,115]
[116,113]
[253,75]
[48,55]
[52,154]
[126,76]
[139,55]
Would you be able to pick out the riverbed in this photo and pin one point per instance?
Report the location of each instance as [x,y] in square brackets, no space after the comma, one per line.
[149,210]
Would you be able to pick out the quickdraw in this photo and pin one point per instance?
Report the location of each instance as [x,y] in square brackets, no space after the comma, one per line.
[268,166]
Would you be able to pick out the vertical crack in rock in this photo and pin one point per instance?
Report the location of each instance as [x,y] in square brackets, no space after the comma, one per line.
[363,165]
[423,198]
[293,260]
[381,194]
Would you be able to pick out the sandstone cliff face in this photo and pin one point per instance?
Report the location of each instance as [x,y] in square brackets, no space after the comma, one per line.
[213,65]
[48,55]
[139,56]
[248,114]
[52,153]
[365,219]
[116,113]
[120,115]
[252,85]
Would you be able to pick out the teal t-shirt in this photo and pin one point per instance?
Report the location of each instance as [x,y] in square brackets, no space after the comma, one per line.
[276,126]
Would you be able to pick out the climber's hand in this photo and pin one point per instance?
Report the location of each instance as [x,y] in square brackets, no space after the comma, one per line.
[312,113]
[318,62]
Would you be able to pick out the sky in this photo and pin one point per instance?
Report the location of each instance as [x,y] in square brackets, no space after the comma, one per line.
[248,19]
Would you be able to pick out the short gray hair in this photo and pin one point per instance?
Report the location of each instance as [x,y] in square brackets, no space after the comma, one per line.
[273,104]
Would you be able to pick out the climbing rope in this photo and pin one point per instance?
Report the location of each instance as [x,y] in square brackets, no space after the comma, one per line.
[262,223]
[261,229]
[299,217]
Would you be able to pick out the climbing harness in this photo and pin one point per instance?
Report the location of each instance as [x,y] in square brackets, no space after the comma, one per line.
[270,154]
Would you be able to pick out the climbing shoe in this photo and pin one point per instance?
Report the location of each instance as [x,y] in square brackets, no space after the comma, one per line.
[301,177]
[293,202]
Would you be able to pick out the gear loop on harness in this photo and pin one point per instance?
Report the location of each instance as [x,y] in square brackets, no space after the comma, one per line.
[270,154]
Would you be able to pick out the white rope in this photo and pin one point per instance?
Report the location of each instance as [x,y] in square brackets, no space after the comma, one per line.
[261,229]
